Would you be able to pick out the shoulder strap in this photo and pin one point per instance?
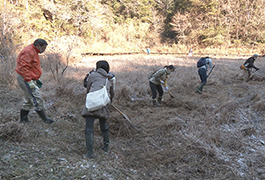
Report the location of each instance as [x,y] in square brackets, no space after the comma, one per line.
[106,82]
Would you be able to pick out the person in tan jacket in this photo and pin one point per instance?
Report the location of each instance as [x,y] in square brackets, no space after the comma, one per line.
[158,78]
[28,73]
[95,81]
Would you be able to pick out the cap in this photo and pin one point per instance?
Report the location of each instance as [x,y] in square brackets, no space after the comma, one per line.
[255,55]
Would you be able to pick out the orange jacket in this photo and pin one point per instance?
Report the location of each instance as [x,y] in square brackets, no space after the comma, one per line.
[28,63]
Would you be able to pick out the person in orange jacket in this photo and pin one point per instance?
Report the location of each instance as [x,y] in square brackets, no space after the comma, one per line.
[28,73]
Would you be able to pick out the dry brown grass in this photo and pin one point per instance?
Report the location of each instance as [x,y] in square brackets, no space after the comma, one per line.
[12,131]
[216,135]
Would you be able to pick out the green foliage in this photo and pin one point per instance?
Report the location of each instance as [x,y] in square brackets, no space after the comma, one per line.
[210,37]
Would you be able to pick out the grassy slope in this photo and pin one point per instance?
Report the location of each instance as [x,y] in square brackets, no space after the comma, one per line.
[216,135]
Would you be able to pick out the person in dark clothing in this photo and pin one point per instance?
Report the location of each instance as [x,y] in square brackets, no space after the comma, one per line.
[95,81]
[202,71]
[248,65]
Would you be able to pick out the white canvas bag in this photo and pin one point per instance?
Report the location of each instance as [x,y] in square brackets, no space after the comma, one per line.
[97,99]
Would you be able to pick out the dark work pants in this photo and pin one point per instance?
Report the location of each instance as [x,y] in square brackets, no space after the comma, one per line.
[155,88]
[203,75]
[90,124]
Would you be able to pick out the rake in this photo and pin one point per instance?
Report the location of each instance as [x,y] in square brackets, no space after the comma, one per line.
[170,94]
[126,117]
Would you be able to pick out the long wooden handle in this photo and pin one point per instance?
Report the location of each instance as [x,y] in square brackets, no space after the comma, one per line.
[170,94]
[124,115]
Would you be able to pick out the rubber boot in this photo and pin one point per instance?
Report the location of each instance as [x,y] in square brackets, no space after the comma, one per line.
[154,102]
[89,145]
[24,116]
[159,99]
[199,90]
[44,117]
[105,135]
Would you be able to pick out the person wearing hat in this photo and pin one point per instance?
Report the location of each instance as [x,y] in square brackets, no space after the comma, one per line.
[95,81]
[202,71]
[248,65]
[155,81]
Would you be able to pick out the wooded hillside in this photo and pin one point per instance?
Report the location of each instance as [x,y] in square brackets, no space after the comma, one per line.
[137,24]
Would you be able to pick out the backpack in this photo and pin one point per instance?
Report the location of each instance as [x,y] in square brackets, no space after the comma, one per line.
[86,78]
[201,62]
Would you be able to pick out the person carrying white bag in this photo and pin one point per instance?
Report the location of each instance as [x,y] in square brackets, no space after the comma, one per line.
[98,80]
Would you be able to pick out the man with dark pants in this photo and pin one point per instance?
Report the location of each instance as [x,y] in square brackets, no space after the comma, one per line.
[28,73]
[248,65]
[202,71]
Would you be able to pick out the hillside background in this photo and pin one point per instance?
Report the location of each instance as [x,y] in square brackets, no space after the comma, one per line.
[236,27]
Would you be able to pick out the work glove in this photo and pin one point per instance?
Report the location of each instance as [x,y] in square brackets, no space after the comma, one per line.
[39,83]
[242,67]
[31,85]
[166,88]
[207,75]
[162,82]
